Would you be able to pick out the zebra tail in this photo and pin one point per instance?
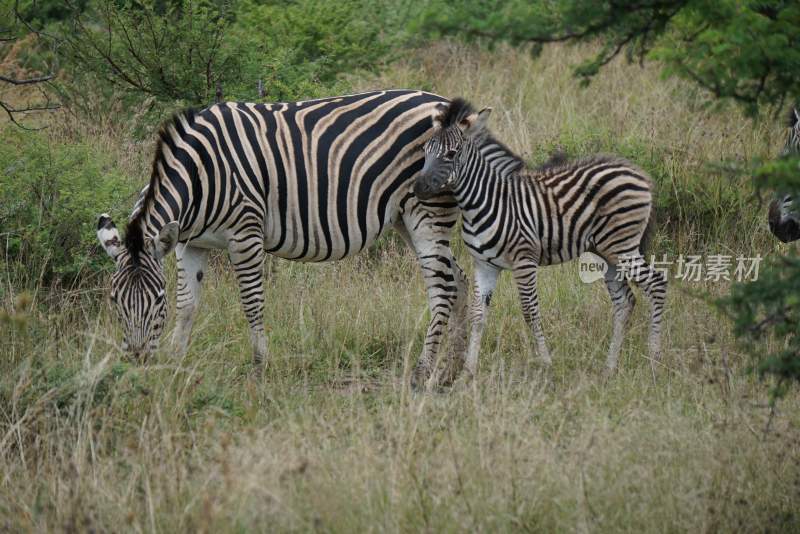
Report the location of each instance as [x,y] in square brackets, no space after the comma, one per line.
[644,243]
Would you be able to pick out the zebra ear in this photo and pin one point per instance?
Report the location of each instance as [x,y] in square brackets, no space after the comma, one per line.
[165,242]
[440,108]
[474,124]
[108,235]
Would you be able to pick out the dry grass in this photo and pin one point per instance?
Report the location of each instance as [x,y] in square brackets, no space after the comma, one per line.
[666,126]
[332,439]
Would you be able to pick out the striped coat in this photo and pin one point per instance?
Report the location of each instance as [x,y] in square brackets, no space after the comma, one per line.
[519,219]
[317,180]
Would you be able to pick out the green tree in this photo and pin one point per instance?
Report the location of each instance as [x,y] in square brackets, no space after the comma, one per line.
[196,51]
[747,51]
[173,50]
[299,49]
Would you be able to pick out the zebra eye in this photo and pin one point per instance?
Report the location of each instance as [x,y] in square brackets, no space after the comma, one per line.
[450,154]
[113,297]
[159,297]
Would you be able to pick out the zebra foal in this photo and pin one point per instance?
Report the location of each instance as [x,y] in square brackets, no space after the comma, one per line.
[519,218]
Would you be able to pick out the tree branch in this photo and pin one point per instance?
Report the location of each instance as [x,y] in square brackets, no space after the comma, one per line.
[11,110]
[29,81]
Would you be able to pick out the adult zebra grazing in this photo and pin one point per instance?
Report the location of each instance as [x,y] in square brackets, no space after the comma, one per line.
[316,180]
[518,218]
[784,221]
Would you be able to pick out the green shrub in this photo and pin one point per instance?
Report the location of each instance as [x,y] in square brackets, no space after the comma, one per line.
[173,50]
[50,196]
[187,51]
[299,49]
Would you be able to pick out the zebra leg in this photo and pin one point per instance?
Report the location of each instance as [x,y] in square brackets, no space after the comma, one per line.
[457,328]
[485,281]
[654,285]
[191,264]
[445,293]
[525,276]
[623,301]
[247,257]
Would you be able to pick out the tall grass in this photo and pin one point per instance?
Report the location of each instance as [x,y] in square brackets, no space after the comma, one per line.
[666,126]
[332,439]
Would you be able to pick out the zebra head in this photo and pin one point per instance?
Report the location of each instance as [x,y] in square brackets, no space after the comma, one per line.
[455,127]
[783,218]
[138,285]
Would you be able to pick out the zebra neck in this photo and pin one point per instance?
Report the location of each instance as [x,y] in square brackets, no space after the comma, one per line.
[154,213]
[491,170]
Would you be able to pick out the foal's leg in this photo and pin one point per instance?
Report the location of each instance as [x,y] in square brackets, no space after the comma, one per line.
[485,281]
[654,285]
[623,301]
[525,276]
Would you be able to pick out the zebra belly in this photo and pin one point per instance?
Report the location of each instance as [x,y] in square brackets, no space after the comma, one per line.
[211,240]
[316,242]
[495,255]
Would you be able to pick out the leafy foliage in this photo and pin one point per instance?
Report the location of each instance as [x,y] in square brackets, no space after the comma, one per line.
[299,49]
[770,305]
[196,51]
[747,50]
[22,81]
[50,196]
[174,51]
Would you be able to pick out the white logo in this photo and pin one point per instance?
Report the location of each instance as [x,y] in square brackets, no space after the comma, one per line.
[591,267]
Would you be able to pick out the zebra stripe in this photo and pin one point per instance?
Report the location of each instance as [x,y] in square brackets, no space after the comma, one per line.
[518,218]
[784,221]
[316,180]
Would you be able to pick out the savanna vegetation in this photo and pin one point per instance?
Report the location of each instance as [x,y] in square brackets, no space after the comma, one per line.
[331,437]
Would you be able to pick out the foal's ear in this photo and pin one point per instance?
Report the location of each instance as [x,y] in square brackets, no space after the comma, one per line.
[166,240]
[475,123]
[108,235]
[439,111]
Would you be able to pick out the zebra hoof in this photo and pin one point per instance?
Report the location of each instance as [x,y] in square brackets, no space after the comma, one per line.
[451,374]
[422,381]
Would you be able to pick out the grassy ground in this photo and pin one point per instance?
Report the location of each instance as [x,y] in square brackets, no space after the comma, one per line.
[332,439]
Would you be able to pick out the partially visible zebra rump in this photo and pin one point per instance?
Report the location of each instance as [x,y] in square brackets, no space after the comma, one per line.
[784,221]
[519,218]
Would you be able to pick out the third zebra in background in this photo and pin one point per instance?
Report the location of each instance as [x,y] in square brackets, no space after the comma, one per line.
[519,218]
[784,221]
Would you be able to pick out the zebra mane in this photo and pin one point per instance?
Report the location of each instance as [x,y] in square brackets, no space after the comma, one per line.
[455,112]
[134,234]
[559,161]
[460,109]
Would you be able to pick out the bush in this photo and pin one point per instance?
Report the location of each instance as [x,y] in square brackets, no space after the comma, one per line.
[173,50]
[187,51]
[50,196]
[300,49]
[770,306]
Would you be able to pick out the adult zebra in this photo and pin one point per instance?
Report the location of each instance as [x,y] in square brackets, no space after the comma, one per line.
[516,218]
[316,180]
[784,221]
